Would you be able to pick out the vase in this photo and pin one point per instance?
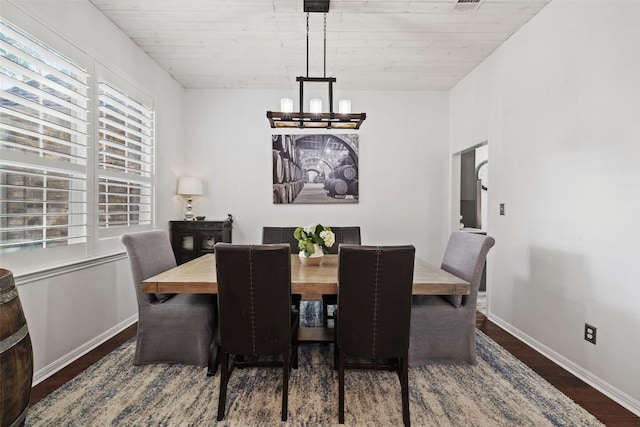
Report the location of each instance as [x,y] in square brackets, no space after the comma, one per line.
[315,258]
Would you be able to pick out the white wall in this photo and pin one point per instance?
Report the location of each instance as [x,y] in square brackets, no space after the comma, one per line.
[402,166]
[70,310]
[558,103]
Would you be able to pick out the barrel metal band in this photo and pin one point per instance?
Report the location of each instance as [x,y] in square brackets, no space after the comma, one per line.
[14,339]
[8,296]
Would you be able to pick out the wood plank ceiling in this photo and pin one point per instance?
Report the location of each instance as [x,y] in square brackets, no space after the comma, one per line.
[373,44]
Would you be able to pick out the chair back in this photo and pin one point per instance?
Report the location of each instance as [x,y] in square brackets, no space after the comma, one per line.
[149,253]
[280,235]
[254,298]
[465,257]
[374,300]
[345,235]
[348,235]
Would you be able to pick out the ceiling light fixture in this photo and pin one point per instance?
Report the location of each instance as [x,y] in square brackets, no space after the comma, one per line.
[315,118]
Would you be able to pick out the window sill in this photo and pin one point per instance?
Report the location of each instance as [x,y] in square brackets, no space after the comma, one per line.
[65,268]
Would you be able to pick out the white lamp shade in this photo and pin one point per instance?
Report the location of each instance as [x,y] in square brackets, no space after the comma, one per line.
[189,186]
[344,106]
[315,106]
[286,105]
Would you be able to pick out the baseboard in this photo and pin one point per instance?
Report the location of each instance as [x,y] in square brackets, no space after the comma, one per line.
[55,366]
[594,381]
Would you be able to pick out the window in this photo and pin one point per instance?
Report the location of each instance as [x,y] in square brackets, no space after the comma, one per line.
[125,159]
[43,145]
[76,152]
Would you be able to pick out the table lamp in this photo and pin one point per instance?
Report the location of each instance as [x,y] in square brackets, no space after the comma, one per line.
[189,186]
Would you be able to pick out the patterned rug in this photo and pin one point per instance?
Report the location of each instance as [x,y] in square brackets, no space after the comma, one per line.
[498,391]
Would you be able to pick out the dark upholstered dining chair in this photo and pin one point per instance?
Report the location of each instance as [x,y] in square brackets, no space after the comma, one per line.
[280,235]
[272,235]
[172,328]
[443,328]
[348,235]
[256,318]
[344,235]
[373,315]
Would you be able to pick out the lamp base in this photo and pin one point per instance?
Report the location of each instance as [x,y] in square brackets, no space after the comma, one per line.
[188,215]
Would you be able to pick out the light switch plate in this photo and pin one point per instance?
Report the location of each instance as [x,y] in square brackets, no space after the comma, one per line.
[501,208]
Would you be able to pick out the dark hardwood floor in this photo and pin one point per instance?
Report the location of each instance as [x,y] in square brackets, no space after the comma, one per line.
[600,406]
[603,408]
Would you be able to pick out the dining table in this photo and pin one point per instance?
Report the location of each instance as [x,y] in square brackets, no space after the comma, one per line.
[199,276]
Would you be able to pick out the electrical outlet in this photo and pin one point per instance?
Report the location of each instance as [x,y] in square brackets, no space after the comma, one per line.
[590,333]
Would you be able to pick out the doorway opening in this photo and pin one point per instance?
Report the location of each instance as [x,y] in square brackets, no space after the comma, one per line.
[470,191]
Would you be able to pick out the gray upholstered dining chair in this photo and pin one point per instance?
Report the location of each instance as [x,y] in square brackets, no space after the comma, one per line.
[256,318]
[443,328]
[172,328]
[373,315]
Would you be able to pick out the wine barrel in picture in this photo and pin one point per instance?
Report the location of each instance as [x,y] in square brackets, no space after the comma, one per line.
[336,187]
[346,173]
[16,369]
[278,168]
[279,193]
[353,187]
[278,143]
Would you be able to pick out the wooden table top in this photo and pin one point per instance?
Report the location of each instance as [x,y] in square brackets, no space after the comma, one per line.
[199,277]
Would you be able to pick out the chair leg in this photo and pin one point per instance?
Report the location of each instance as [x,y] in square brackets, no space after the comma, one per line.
[295,349]
[214,360]
[325,313]
[335,341]
[341,388]
[404,387]
[285,383]
[224,380]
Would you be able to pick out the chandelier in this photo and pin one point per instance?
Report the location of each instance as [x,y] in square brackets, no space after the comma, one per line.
[316,118]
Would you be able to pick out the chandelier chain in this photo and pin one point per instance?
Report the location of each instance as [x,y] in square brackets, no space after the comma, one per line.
[325,46]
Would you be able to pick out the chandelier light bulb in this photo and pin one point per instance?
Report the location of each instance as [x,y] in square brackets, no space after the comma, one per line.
[286,105]
[344,106]
[315,106]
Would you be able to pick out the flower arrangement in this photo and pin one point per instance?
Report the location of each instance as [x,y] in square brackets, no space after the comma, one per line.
[314,234]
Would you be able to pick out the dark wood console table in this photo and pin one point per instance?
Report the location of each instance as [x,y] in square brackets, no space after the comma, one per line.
[191,239]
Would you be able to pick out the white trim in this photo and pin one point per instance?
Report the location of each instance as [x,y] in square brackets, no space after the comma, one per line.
[594,381]
[58,270]
[56,365]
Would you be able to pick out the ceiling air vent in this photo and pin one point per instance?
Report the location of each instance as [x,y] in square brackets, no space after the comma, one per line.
[466,5]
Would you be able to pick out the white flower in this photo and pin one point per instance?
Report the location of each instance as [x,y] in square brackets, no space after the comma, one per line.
[328,237]
[310,229]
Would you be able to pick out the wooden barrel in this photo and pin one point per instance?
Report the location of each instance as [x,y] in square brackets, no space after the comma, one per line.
[347,173]
[289,145]
[353,187]
[279,193]
[278,167]
[278,142]
[16,369]
[336,187]
[286,166]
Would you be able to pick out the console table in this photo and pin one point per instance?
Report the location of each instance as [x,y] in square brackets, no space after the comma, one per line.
[191,239]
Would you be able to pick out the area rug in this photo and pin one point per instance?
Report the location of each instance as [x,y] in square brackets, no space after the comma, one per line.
[498,391]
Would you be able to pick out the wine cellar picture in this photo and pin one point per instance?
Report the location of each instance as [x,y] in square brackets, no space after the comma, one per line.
[315,169]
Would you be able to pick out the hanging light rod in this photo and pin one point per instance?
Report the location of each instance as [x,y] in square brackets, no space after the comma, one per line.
[344,119]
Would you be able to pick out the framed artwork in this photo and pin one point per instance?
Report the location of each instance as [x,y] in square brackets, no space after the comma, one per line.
[315,168]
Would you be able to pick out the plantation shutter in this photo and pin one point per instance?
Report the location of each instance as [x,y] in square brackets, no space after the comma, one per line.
[125,159]
[43,144]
